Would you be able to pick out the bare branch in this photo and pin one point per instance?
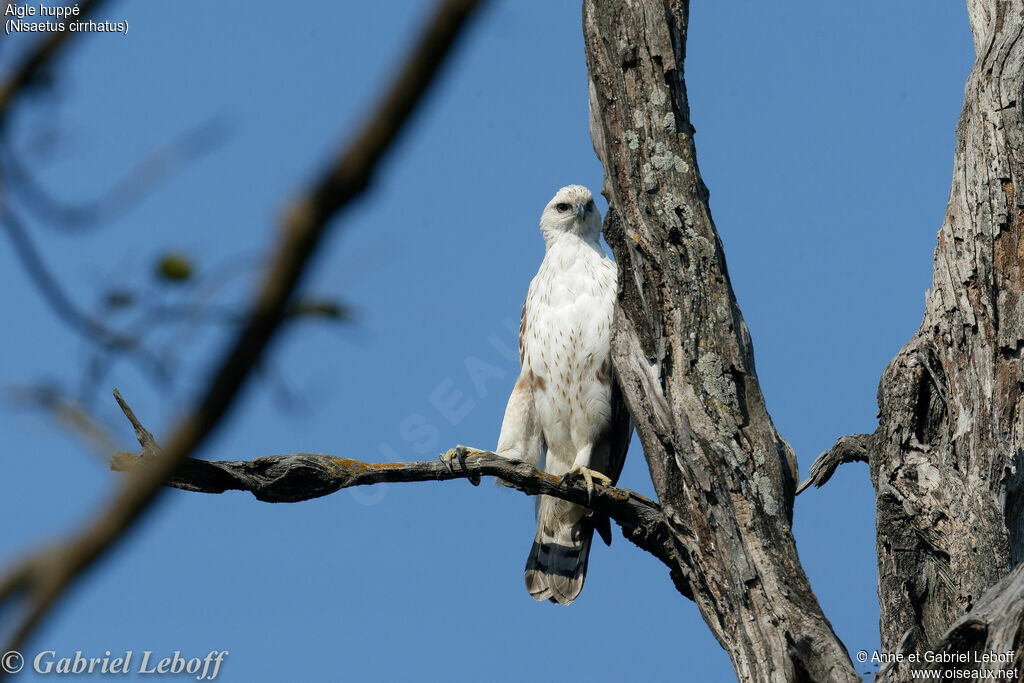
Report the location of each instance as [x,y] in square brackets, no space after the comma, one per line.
[851,448]
[67,413]
[32,260]
[44,53]
[146,440]
[128,191]
[53,569]
[297,477]
[89,327]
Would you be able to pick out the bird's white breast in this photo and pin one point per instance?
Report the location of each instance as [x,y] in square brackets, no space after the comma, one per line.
[567,346]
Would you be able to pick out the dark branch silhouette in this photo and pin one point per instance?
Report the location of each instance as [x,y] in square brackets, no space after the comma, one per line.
[30,257]
[128,191]
[39,59]
[43,576]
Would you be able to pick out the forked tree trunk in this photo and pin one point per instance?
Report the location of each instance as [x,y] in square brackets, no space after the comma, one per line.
[725,477]
[947,457]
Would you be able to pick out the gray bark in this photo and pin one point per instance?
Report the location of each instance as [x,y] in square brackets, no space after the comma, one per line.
[992,627]
[724,476]
[852,448]
[946,458]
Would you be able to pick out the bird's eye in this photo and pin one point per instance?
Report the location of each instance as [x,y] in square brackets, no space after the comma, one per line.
[562,208]
[590,205]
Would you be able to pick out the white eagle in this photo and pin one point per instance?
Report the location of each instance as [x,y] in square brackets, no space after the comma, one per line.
[566,408]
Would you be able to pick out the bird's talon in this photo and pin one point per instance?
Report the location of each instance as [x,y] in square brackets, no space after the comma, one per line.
[458,453]
[446,460]
[589,476]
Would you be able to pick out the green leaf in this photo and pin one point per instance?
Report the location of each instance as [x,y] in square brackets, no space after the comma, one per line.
[175,266]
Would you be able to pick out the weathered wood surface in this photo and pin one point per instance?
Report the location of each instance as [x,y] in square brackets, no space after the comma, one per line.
[850,448]
[986,639]
[724,476]
[946,458]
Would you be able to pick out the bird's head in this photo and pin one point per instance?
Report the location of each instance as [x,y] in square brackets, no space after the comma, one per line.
[572,211]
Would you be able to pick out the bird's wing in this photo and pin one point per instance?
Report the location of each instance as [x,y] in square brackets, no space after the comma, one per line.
[522,331]
[619,434]
[617,441]
[521,437]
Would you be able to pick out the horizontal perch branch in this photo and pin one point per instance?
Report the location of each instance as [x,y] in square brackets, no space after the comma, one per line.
[295,477]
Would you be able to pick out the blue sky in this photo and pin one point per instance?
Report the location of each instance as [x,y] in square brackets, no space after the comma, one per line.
[825,132]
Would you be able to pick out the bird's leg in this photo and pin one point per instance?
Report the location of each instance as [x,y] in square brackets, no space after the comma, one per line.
[459,453]
[589,476]
[581,468]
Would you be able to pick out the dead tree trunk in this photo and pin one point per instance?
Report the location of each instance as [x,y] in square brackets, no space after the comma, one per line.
[946,460]
[685,361]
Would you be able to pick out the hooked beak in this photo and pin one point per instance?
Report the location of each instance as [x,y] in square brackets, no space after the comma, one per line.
[581,209]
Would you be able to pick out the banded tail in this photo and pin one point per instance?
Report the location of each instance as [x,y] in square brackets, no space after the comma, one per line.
[557,565]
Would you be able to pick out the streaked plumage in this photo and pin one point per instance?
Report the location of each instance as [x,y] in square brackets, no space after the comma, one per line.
[565,407]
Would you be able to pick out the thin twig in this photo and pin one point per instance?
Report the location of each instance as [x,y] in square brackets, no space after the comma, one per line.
[32,260]
[68,413]
[64,308]
[127,192]
[146,440]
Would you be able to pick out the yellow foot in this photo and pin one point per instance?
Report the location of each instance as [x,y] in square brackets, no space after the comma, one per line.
[589,476]
[459,454]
